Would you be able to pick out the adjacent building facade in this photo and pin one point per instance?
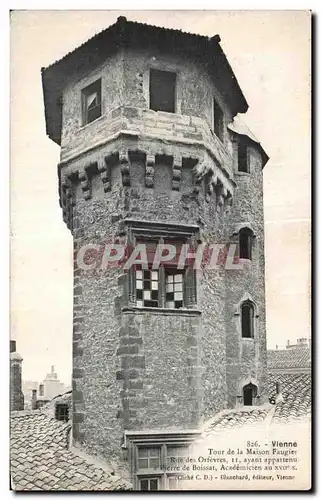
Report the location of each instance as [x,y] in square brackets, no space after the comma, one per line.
[152,154]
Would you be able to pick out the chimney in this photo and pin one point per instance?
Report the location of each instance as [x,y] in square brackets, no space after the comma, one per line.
[34,399]
[276,347]
[16,394]
[52,369]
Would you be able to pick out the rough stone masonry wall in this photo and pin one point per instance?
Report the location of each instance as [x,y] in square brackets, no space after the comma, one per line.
[132,370]
[246,358]
[74,134]
[137,370]
[125,82]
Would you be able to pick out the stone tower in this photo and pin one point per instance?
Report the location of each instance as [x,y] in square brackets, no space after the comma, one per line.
[16,395]
[151,154]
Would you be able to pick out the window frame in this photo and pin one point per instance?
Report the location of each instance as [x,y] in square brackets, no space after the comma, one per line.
[58,407]
[248,305]
[245,158]
[248,233]
[188,275]
[161,474]
[146,232]
[149,478]
[95,86]
[161,70]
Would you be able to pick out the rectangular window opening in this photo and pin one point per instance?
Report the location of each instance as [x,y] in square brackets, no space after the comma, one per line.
[162,90]
[152,461]
[147,284]
[149,458]
[242,158]
[62,412]
[174,288]
[167,286]
[91,102]
[218,120]
[148,484]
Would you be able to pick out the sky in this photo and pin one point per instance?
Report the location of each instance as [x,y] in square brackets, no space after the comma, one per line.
[269,52]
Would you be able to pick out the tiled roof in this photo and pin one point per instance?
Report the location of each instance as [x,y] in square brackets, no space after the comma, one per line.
[296,393]
[294,404]
[234,419]
[298,357]
[40,459]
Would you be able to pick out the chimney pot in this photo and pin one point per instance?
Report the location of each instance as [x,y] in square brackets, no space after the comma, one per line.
[13,346]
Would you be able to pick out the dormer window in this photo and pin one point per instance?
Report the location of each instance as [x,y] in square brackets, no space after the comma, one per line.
[91,102]
[243,164]
[162,90]
[218,120]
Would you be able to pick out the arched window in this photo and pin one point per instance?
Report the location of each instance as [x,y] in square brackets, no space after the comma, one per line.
[249,393]
[247,320]
[245,243]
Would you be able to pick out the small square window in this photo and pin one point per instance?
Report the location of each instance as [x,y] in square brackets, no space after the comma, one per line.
[162,90]
[91,102]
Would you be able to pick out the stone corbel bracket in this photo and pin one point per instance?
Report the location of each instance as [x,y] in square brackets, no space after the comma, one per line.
[177,171]
[84,182]
[209,169]
[102,166]
[67,200]
[124,166]
[149,172]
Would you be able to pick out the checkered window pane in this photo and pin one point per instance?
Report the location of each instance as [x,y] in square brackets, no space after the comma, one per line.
[147,288]
[174,290]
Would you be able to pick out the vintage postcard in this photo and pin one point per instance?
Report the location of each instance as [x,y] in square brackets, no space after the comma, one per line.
[160,242]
